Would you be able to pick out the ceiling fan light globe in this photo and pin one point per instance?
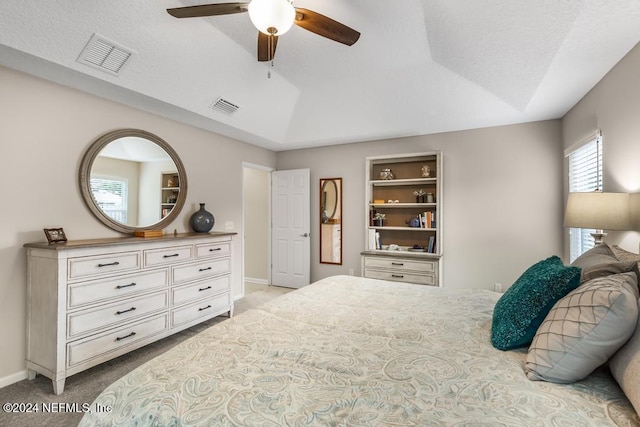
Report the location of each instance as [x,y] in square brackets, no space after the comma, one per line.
[269,14]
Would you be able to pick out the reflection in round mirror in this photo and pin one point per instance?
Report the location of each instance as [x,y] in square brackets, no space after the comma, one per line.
[329,199]
[133,180]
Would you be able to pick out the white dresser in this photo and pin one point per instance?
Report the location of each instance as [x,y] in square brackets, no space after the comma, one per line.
[89,301]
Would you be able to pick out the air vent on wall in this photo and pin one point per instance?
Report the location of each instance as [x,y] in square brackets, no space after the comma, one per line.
[224,106]
[105,55]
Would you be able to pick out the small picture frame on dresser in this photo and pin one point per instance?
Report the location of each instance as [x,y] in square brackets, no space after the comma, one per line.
[55,235]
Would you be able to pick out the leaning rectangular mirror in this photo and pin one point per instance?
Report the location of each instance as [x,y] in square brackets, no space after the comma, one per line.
[331,220]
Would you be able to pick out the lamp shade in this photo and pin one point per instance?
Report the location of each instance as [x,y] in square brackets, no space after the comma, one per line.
[602,211]
[272,16]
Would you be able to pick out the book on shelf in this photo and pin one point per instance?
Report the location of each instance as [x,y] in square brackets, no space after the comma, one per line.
[428,219]
[431,247]
[372,239]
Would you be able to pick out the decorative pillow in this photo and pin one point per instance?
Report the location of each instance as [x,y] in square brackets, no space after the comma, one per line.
[523,307]
[625,367]
[598,255]
[584,329]
[623,255]
[609,268]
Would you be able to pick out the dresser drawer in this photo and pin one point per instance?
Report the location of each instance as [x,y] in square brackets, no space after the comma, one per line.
[426,266]
[83,350]
[205,308]
[101,290]
[111,314]
[166,256]
[101,265]
[198,270]
[200,289]
[211,250]
[422,279]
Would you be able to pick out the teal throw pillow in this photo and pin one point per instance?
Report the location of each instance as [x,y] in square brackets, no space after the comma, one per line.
[524,306]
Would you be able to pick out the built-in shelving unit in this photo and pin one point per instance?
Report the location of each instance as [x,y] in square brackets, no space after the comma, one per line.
[169,192]
[407,244]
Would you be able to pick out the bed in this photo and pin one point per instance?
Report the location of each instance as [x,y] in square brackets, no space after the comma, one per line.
[354,351]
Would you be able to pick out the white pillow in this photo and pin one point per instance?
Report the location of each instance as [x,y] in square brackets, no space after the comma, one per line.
[625,367]
[584,329]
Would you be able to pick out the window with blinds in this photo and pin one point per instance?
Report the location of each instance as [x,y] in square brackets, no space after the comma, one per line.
[585,175]
[111,197]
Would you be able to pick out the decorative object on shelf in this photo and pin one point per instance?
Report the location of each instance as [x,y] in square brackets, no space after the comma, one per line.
[414,222]
[55,235]
[386,174]
[171,183]
[147,233]
[392,201]
[378,219]
[379,201]
[598,210]
[420,195]
[426,171]
[430,198]
[202,220]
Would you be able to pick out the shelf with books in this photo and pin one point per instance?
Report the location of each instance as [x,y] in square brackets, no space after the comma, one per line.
[404,213]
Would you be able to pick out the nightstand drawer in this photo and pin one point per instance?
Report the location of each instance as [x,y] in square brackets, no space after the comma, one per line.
[426,266]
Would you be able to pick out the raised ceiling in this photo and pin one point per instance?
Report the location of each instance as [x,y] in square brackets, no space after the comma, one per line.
[419,67]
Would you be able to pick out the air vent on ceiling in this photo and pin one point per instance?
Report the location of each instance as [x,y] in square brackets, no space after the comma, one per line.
[105,55]
[224,106]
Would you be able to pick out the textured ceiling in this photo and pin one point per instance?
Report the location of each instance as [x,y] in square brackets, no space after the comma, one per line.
[419,67]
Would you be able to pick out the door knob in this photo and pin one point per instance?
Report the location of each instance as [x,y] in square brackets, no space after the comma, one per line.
[305,234]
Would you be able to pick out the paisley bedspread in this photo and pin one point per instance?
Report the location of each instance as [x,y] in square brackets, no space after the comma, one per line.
[349,351]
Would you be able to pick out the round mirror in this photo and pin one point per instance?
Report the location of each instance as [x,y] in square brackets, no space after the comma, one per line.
[133,180]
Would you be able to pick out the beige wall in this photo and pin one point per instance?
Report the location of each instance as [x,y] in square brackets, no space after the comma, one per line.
[613,106]
[502,198]
[256,224]
[45,130]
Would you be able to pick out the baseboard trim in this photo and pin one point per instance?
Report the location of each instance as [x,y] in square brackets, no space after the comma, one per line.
[256,281]
[13,378]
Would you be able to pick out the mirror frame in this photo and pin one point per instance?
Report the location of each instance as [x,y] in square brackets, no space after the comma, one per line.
[85,177]
[338,186]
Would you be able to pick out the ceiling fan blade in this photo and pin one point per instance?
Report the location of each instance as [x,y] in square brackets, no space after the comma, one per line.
[325,27]
[264,45]
[208,10]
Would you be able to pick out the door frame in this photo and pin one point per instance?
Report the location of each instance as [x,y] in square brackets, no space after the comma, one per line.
[269,170]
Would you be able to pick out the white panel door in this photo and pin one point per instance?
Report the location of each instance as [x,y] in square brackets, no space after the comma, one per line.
[290,229]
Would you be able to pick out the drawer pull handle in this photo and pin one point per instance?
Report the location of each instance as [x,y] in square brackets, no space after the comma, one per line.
[204,289]
[126,336]
[126,286]
[398,276]
[215,249]
[109,264]
[170,256]
[398,263]
[126,311]
[205,269]
[204,308]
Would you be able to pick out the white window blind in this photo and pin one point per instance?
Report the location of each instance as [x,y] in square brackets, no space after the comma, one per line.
[111,196]
[585,175]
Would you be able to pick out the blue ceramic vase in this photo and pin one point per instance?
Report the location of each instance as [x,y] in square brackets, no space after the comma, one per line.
[202,220]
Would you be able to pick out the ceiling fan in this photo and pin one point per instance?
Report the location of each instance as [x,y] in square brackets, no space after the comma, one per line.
[273,18]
